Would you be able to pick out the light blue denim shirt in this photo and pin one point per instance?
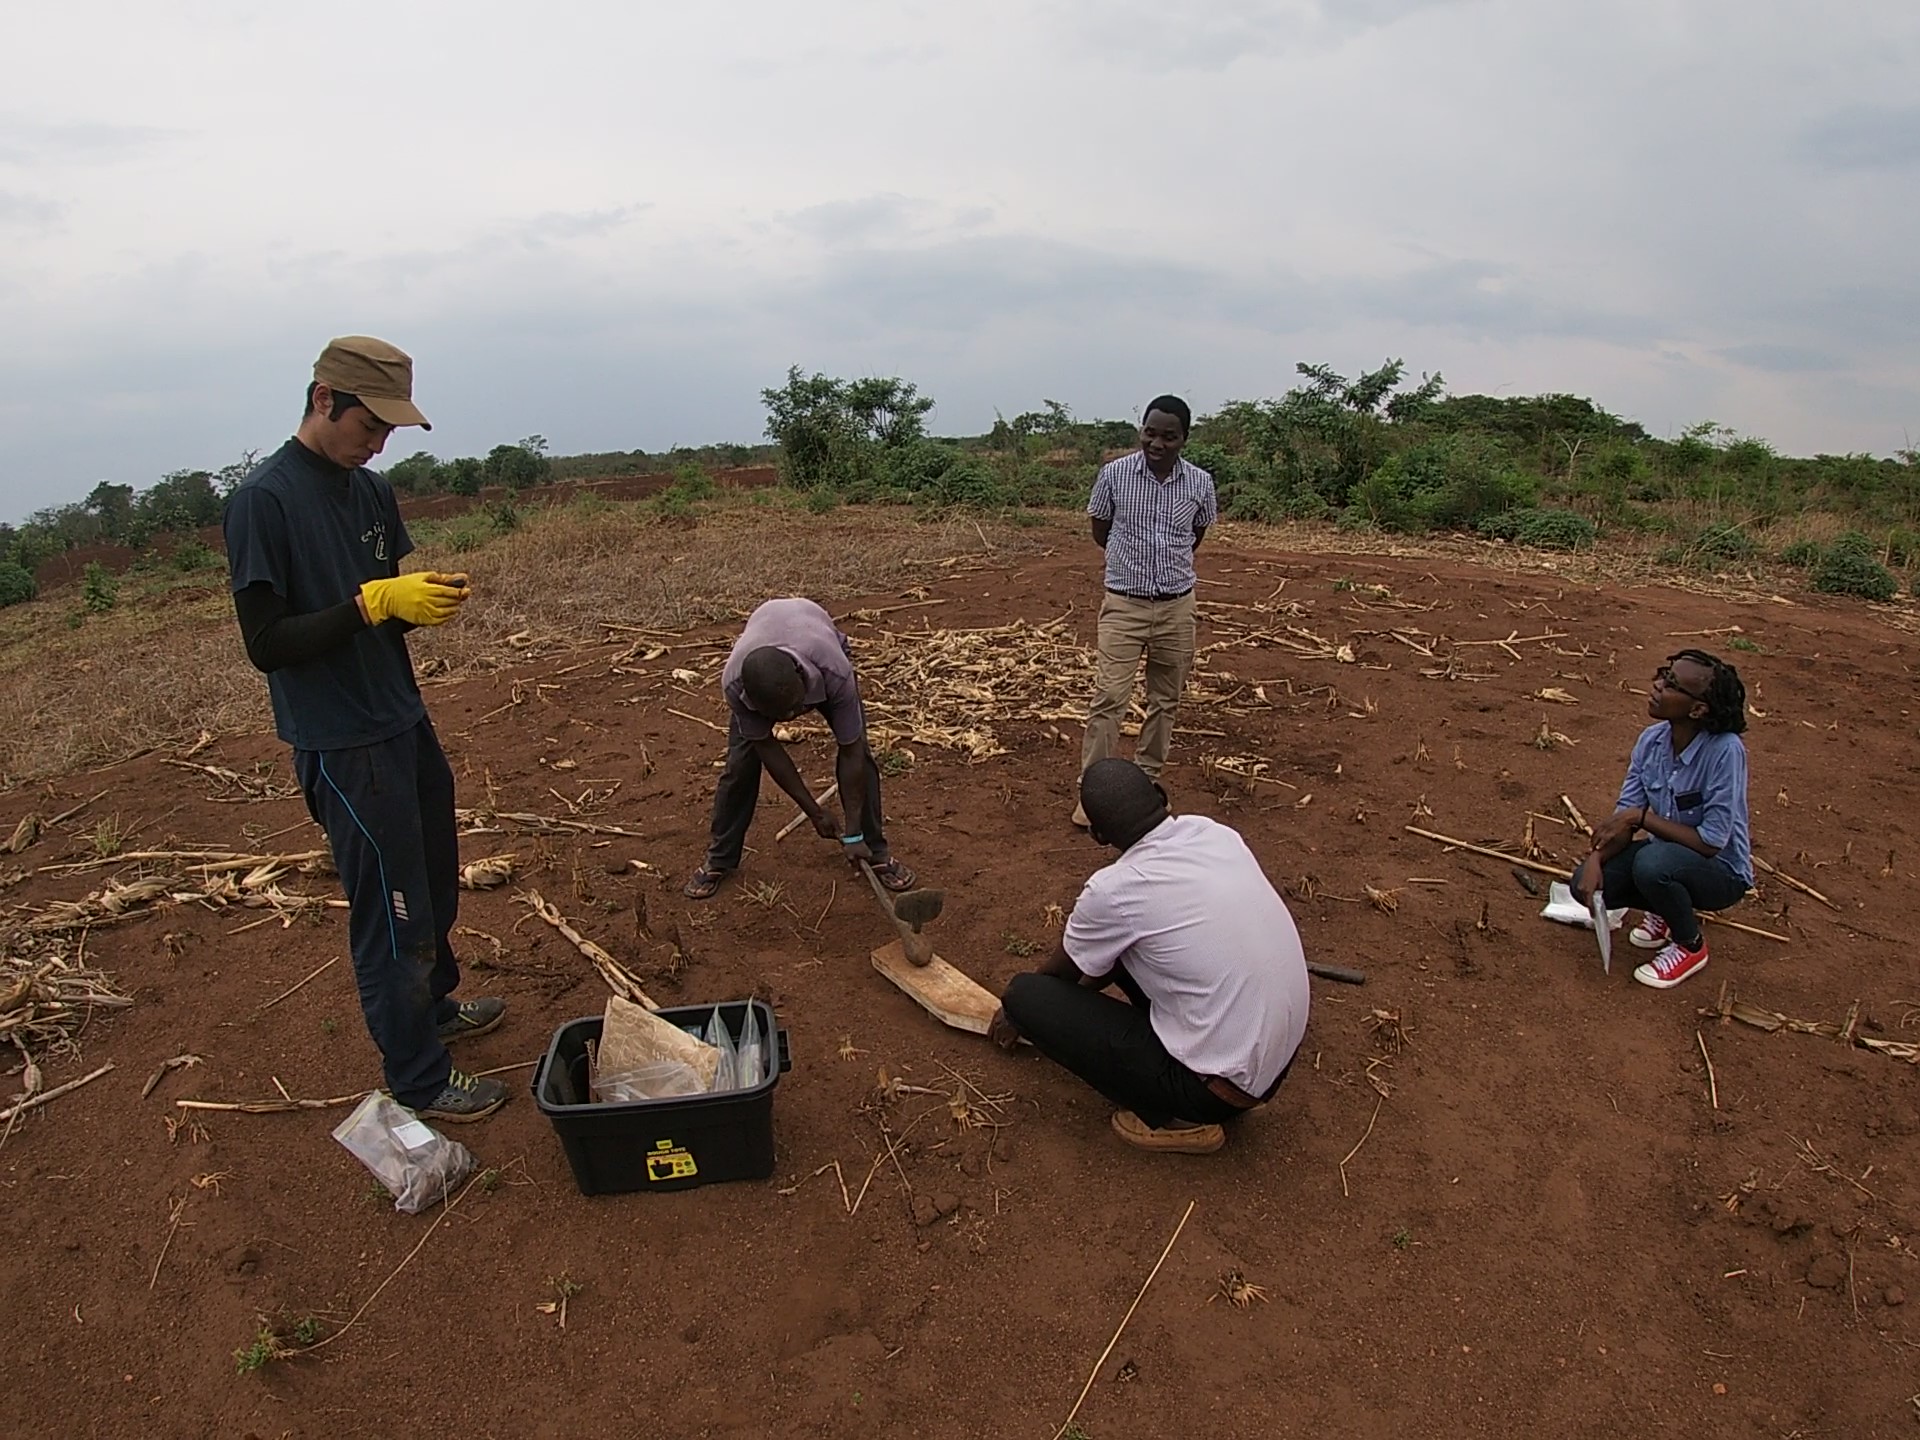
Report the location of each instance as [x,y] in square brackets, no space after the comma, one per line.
[1704,786]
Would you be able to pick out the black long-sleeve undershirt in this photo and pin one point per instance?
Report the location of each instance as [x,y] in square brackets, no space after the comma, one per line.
[276,639]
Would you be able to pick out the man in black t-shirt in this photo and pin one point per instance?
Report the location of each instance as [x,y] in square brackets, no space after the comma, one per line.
[314,543]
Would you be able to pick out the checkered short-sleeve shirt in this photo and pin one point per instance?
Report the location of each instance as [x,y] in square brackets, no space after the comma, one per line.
[1150,550]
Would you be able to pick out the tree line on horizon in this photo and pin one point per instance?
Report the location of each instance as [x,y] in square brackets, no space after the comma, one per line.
[1373,451]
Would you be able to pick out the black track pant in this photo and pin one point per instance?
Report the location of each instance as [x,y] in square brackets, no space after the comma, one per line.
[388,813]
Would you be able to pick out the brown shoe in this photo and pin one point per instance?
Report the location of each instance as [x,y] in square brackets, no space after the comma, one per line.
[1173,1140]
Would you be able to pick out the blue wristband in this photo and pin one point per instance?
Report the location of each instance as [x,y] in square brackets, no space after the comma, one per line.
[853,839]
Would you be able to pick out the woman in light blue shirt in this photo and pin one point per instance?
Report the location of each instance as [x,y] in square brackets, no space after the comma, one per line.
[1686,795]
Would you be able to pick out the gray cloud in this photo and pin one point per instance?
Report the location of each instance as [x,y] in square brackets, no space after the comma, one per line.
[1786,359]
[1864,137]
[1216,35]
[30,142]
[29,212]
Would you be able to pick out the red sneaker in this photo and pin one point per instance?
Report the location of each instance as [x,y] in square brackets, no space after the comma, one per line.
[1672,965]
[1650,933]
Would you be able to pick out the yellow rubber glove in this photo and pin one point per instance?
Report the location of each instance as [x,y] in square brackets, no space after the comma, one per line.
[424,597]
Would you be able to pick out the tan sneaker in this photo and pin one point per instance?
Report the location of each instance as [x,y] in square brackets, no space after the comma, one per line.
[1079,815]
[1174,1139]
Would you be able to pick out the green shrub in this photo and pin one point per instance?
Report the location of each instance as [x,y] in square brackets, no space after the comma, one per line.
[503,515]
[16,584]
[1903,547]
[693,482]
[1546,528]
[1446,484]
[1223,466]
[190,556]
[1852,542]
[1803,553]
[99,590]
[1847,572]
[1725,542]
[819,502]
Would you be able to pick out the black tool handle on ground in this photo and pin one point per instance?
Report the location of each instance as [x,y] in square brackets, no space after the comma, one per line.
[1337,972]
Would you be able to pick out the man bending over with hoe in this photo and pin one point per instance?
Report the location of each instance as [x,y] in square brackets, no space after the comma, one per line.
[1686,792]
[314,541]
[792,658]
[1188,927]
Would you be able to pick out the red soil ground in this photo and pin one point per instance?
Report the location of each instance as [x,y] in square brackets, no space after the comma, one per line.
[1549,1229]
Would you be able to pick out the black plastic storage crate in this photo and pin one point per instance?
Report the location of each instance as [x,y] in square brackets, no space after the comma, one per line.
[672,1144]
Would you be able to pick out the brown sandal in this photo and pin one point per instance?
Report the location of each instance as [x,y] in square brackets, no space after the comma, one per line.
[895,876]
[704,882]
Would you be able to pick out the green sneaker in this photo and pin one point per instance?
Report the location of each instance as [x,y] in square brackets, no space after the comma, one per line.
[473,1017]
[466,1097]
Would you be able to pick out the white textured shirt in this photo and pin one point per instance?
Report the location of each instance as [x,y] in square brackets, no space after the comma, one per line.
[1208,939]
[1150,548]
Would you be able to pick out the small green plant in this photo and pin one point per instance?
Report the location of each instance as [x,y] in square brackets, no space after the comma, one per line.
[1017,944]
[1741,642]
[672,504]
[1402,1238]
[1853,542]
[16,584]
[99,591]
[107,837]
[264,1350]
[329,1025]
[821,502]
[269,1344]
[1803,553]
[1343,584]
[378,1194]
[1848,572]
[490,1179]
[893,763]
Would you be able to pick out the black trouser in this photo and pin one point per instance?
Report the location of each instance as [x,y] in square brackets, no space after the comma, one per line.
[738,792]
[1111,1045]
[1670,881]
[388,813]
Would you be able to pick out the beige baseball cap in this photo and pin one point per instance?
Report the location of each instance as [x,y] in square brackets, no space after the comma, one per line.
[379,373]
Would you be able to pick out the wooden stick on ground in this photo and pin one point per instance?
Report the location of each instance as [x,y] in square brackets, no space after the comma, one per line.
[619,979]
[272,1107]
[797,821]
[1066,1424]
[34,1101]
[1800,885]
[1358,1143]
[1713,1086]
[1573,813]
[445,1211]
[697,720]
[291,988]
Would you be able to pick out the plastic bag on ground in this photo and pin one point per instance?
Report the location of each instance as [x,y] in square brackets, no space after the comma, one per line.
[418,1165]
[721,1038]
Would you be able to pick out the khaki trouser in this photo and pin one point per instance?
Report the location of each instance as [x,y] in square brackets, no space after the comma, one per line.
[1163,631]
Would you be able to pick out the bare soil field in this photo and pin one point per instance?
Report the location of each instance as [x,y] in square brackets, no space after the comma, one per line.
[1502,1194]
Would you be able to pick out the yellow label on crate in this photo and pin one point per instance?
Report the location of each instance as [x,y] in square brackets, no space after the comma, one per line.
[669,1162]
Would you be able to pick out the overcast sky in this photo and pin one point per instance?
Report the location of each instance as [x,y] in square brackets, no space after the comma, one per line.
[615,223]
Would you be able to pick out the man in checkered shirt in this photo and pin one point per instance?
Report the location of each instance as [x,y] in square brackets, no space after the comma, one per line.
[1149,510]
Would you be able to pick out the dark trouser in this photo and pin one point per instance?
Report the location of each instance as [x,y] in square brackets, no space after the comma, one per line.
[738,792]
[388,813]
[1111,1045]
[1671,881]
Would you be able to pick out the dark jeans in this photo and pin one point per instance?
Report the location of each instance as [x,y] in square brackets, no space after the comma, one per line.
[1111,1045]
[738,792]
[1671,881]
[388,813]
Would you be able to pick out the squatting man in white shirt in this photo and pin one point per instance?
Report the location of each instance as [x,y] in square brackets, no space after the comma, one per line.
[1191,930]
